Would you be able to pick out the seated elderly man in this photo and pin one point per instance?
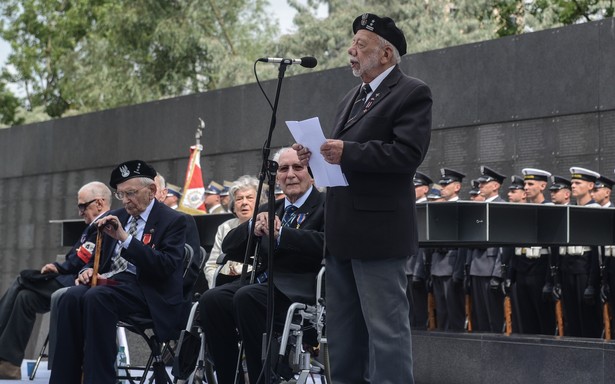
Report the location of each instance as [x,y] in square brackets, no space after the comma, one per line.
[140,274]
[31,292]
[298,233]
[243,201]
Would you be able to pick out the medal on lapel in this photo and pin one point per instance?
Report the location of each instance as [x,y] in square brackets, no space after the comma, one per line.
[300,219]
[147,237]
[370,102]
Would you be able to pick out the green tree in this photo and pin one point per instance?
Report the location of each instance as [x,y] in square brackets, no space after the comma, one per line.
[88,55]
[40,33]
[9,105]
[427,25]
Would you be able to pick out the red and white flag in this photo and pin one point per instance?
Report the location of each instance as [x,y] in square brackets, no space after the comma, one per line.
[193,198]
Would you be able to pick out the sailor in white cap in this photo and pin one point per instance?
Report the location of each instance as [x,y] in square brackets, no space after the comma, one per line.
[535,184]
[579,268]
[583,180]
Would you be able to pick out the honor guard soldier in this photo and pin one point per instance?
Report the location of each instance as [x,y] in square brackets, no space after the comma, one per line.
[485,267]
[213,199]
[560,190]
[435,195]
[489,183]
[579,269]
[602,195]
[607,267]
[173,196]
[417,274]
[602,191]
[475,191]
[530,270]
[516,193]
[422,183]
[447,266]
[535,183]
[450,182]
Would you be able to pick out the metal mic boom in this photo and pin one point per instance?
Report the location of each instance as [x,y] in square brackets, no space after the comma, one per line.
[307,62]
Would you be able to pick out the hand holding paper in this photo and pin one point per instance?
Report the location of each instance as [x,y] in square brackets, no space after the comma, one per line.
[309,134]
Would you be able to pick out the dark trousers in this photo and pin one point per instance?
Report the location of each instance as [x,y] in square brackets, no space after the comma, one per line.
[229,308]
[449,299]
[87,319]
[18,309]
[535,315]
[417,297]
[487,306]
[580,319]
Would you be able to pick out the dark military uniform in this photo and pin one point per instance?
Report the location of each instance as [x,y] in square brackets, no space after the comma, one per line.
[485,269]
[416,271]
[447,275]
[579,268]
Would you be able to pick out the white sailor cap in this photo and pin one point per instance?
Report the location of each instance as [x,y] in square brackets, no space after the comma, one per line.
[578,173]
[535,174]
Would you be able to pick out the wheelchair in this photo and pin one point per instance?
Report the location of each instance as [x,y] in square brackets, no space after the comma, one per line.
[295,357]
[160,351]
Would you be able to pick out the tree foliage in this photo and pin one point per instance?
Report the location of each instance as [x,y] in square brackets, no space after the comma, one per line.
[76,56]
[88,55]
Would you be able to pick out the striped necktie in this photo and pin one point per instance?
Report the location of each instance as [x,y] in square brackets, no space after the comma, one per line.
[119,264]
[359,103]
[289,215]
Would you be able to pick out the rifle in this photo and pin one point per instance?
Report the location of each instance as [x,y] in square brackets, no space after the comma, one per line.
[468,306]
[468,298]
[431,311]
[431,301]
[559,317]
[604,293]
[506,283]
[507,316]
[606,319]
[557,295]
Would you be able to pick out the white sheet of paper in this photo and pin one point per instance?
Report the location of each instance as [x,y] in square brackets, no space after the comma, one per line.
[309,134]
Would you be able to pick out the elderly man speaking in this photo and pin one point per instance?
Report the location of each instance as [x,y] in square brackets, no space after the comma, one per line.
[380,137]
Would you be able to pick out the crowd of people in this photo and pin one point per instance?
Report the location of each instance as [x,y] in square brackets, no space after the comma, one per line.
[130,261]
[535,279]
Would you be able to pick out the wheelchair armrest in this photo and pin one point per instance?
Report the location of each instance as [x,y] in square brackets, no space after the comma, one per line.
[221,259]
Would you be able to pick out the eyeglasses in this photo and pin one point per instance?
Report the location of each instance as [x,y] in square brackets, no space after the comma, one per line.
[84,206]
[128,194]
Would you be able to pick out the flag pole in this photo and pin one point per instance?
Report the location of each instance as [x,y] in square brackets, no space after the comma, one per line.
[192,200]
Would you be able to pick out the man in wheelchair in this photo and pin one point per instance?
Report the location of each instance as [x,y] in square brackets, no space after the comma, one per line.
[233,307]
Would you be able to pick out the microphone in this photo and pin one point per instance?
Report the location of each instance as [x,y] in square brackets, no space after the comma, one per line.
[307,62]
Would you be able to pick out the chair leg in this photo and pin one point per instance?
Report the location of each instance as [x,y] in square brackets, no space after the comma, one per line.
[40,357]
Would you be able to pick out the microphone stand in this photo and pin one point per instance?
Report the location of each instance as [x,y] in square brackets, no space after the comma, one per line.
[268,169]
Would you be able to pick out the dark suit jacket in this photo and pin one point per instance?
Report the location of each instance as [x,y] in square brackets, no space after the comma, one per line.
[375,216]
[158,257]
[298,256]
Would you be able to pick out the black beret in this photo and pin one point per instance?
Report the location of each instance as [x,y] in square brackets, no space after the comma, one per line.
[382,26]
[129,170]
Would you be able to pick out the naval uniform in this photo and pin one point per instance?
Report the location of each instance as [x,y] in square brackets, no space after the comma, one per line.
[579,270]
